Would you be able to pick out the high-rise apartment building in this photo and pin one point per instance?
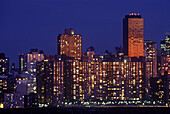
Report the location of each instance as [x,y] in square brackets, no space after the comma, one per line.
[3,89]
[165,55]
[133,35]
[32,59]
[97,81]
[167,42]
[165,65]
[160,55]
[160,91]
[163,45]
[51,85]
[45,82]
[62,80]
[151,55]
[28,64]
[4,65]
[69,44]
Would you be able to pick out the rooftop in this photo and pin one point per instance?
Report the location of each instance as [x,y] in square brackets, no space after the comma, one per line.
[133,15]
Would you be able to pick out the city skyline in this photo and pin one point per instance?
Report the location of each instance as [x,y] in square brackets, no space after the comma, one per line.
[128,76]
[29,25]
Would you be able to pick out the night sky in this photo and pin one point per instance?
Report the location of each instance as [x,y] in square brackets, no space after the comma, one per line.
[26,24]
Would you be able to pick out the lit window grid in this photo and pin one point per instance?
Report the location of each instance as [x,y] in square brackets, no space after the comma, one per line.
[135,37]
[3,84]
[13,100]
[95,83]
[151,55]
[165,64]
[58,81]
[31,68]
[70,45]
[44,82]
[4,66]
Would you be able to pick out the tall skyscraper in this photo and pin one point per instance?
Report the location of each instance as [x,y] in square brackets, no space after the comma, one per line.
[22,62]
[133,35]
[151,55]
[69,44]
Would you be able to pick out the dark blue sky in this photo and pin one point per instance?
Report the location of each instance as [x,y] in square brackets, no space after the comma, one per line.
[26,24]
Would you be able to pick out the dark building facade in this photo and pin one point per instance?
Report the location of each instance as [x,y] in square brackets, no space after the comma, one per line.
[22,62]
[151,55]
[45,82]
[31,101]
[160,89]
[3,89]
[167,43]
[4,65]
[51,84]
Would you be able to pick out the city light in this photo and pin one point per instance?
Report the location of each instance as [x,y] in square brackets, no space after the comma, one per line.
[135,75]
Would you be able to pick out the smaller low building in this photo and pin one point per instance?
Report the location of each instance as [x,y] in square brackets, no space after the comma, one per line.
[13,100]
[31,101]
